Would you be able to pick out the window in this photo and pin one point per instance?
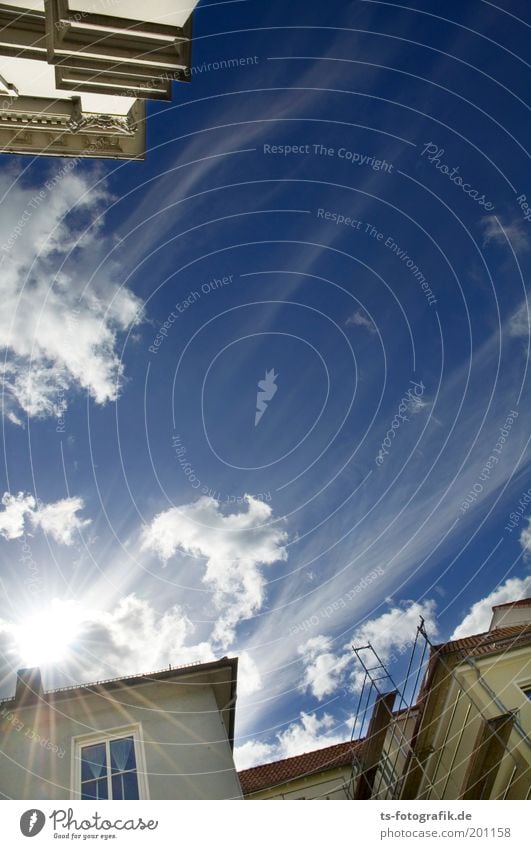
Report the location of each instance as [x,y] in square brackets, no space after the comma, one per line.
[489,749]
[108,770]
[527,692]
[110,766]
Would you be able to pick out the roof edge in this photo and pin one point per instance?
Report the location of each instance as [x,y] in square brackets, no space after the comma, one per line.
[137,678]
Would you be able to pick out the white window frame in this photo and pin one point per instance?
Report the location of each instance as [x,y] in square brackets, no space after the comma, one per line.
[134,731]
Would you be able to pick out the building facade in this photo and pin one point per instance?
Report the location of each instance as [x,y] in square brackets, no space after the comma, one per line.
[166,735]
[468,736]
[75,74]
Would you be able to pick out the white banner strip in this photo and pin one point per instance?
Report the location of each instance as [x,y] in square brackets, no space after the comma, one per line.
[251,824]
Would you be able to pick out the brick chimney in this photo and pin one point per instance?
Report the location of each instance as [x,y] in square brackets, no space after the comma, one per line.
[29,684]
[511,613]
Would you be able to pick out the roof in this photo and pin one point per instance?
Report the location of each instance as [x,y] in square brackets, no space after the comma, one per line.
[101,688]
[522,602]
[499,639]
[140,677]
[272,774]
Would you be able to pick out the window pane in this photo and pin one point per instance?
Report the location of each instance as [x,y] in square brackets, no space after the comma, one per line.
[94,789]
[125,786]
[122,755]
[93,761]
[131,786]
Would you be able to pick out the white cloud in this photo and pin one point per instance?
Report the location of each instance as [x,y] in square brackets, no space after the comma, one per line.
[133,638]
[309,733]
[359,319]
[416,404]
[525,539]
[58,325]
[396,628]
[306,734]
[391,634]
[249,678]
[252,753]
[479,616]
[500,232]
[323,670]
[58,519]
[235,546]
[13,516]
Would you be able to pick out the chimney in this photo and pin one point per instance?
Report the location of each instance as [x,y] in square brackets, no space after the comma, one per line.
[511,613]
[29,684]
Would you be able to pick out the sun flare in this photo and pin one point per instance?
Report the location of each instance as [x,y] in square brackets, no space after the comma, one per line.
[47,635]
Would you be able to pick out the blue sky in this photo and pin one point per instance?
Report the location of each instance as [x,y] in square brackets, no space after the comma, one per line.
[344,210]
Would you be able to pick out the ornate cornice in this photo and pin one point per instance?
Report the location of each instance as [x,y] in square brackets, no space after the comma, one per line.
[123,126]
[113,124]
[27,120]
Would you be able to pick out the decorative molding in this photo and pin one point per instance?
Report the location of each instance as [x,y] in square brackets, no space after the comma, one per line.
[123,126]
[41,121]
[91,54]
[25,137]
[114,125]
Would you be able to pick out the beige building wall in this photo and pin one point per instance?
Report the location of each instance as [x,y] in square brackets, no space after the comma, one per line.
[329,784]
[490,689]
[186,751]
[395,752]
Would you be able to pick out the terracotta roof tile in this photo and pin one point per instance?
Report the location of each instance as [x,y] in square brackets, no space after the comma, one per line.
[272,774]
[499,639]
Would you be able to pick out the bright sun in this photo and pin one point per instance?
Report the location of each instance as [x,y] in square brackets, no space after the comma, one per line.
[46,636]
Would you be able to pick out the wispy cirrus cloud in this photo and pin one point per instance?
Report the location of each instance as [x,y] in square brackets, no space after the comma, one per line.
[498,231]
[360,319]
[519,323]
